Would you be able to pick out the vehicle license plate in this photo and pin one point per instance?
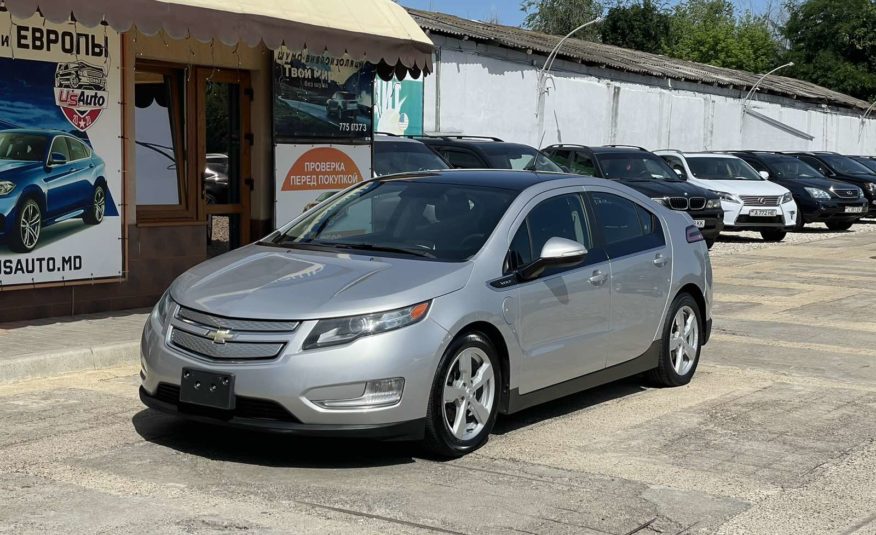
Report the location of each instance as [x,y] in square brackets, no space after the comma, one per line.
[854,209]
[700,223]
[762,213]
[207,389]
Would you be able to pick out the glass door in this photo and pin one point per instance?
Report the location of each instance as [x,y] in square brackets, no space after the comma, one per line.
[223,113]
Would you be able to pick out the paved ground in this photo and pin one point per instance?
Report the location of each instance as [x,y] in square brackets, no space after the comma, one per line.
[776,434]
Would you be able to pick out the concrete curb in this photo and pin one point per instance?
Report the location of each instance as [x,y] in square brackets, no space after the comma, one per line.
[41,365]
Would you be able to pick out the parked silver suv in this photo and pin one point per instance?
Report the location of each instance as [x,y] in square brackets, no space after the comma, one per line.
[423,305]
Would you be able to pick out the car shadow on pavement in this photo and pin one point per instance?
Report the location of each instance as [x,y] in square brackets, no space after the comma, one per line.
[267,449]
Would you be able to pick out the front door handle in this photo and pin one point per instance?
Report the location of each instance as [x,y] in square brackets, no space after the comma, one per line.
[598,278]
[660,260]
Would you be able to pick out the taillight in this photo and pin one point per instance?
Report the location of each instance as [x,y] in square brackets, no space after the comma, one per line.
[693,234]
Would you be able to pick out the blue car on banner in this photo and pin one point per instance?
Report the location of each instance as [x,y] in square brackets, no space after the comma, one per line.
[47,176]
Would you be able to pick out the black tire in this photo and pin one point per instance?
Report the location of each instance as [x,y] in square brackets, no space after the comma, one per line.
[665,373]
[798,221]
[839,225]
[709,242]
[19,241]
[439,439]
[95,213]
[773,235]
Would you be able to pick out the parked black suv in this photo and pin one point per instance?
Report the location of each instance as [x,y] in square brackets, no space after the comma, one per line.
[473,152]
[819,199]
[839,167]
[394,154]
[648,174]
[867,161]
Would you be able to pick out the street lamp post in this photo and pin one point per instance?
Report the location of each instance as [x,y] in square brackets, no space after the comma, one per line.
[754,87]
[544,73]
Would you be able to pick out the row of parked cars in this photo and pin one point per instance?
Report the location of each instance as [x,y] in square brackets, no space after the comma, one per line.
[767,192]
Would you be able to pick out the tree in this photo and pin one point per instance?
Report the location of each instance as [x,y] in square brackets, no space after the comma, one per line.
[833,43]
[708,31]
[559,17]
[640,25]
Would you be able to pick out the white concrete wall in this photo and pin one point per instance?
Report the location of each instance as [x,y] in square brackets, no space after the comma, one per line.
[486,90]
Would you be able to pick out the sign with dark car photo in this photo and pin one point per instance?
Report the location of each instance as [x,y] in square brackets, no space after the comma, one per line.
[60,153]
[322,97]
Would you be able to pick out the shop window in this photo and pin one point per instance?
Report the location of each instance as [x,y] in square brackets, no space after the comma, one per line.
[162,176]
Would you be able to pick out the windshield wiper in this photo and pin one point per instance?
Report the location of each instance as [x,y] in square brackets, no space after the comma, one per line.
[383,248]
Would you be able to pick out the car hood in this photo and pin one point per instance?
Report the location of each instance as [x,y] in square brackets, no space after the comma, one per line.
[276,283]
[856,177]
[10,168]
[665,188]
[743,187]
[820,183]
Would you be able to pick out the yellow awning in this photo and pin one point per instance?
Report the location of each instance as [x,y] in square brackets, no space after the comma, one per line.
[371,29]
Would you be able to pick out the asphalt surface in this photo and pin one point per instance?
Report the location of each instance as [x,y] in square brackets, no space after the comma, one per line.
[776,434]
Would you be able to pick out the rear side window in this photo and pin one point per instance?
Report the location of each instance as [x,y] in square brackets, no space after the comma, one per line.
[583,164]
[626,226]
[462,159]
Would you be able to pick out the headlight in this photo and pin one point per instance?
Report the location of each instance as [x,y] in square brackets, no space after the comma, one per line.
[337,331]
[816,193]
[729,197]
[6,187]
[163,308]
[786,198]
[713,203]
[661,200]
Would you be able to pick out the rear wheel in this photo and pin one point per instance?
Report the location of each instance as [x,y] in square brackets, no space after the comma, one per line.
[465,397]
[680,349]
[94,215]
[27,229]
[839,225]
[773,235]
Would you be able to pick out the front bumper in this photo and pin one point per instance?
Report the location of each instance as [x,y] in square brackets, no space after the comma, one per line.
[296,379]
[822,211]
[739,217]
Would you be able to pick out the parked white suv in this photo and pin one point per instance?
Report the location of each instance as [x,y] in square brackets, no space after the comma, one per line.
[749,201]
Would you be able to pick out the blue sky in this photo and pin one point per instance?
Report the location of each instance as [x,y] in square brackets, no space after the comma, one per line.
[508,11]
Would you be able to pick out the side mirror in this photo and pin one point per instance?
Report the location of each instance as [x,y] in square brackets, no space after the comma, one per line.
[764,175]
[557,252]
[56,158]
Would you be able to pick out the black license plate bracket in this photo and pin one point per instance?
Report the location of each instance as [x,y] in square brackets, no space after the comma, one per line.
[207,389]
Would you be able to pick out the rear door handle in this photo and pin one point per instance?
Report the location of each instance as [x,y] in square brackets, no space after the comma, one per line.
[598,278]
[660,260]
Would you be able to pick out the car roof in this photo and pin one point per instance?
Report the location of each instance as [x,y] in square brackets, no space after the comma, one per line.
[617,149]
[495,178]
[696,154]
[36,132]
[383,137]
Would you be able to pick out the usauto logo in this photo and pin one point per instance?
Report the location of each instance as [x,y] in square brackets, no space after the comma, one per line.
[80,92]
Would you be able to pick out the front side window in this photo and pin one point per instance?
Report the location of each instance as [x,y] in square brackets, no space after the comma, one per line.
[788,167]
[626,226]
[720,168]
[60,148]
[403,217]
[636,167]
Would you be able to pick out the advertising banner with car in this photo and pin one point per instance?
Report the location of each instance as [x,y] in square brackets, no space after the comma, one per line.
[398,106]
[308,174]
[60,153]
[320,96]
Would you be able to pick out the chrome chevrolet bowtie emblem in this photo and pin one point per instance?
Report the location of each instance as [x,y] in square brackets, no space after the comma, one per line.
[221,336]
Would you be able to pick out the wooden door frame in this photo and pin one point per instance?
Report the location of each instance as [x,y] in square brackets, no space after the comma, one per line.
[242,78]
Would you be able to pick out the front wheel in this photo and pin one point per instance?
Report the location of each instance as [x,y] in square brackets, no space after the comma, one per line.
[94,215]
[798,221]
[839,225]
[465,397]
[27,229]
[681,344]
[773,235]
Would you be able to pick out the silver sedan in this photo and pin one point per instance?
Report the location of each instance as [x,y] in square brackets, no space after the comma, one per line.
[422,306]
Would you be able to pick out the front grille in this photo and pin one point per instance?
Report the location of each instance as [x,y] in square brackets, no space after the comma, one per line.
[684,203]
[206,347]
[229,339]
[846,193]
[261,409]
[763,200]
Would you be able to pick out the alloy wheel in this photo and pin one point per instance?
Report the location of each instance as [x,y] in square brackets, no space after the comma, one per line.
[30,225]
[99,204]
[684,340]
[469,391]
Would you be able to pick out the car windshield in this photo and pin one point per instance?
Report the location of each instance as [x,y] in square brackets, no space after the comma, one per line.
[415,218]
[845,165]
[713,168]
[520,157]
[392,157]
[636,166]
[22,147]
[790,167]
[869,164]
[347,96]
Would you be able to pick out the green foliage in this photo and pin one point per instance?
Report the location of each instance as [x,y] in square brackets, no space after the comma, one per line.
[833,43]
[559,17]
[641,26]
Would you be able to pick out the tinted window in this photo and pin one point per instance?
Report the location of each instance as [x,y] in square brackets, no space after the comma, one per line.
[463,159]
[561,157]
[626,226]
[59,146]
[558,217]
[789,167]
[756,164]
[815,163]
[715,168]
[520,251]
[23,147]
[583,164]
[869,164]
[404,157]
[78,150]
[843,164]
[636,166]
[521,157]
[419,218]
